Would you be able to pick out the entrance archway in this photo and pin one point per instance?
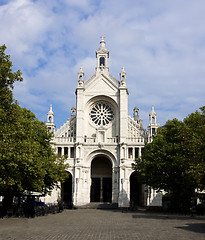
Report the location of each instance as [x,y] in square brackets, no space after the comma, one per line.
[136,191]
[66,191]
[101,180]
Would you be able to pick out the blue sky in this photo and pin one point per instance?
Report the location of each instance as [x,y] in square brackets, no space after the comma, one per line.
[160,43]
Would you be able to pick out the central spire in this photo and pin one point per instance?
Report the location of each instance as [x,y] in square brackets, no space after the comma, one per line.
[102,56]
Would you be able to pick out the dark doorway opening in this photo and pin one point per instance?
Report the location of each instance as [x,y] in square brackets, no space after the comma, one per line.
[107,189]
[66,192]
[95,190]
[136,191]
[101,180]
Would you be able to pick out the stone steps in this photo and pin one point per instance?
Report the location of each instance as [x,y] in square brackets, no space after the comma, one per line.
[97,205]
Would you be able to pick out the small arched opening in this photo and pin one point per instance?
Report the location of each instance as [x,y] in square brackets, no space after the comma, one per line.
[66,191]
[101,180]
[102,61]
[153,120]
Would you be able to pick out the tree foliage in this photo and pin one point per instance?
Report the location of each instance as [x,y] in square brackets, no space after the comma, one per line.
[175,160]
[27,160]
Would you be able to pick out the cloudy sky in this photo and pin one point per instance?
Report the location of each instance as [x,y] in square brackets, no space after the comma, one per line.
[161,44]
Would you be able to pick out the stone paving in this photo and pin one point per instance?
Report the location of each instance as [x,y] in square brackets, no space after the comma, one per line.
[83,224]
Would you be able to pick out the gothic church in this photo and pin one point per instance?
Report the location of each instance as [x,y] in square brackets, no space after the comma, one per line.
[101,142]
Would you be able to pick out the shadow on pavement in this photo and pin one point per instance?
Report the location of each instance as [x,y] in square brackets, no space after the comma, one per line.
[144,214]
[194,227]
[163,216]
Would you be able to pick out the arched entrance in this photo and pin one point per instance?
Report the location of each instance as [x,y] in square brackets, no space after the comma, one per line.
[101,180]
[66,191]
[136,191]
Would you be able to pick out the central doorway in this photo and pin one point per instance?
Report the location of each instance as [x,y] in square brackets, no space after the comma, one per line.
[101,180]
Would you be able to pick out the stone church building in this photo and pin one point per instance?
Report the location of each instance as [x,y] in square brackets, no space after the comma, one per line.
[101,141]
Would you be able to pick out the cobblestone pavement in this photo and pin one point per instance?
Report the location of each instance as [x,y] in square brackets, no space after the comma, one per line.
[93,224]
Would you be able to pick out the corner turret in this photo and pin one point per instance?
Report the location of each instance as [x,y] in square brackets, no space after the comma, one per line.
[50,120]
[152,127]
[123,77]
[80,77]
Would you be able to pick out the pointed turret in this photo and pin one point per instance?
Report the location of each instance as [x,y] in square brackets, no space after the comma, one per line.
[136,117]
[73,111]
[50,120]
[152,116]
[123,77]
[81,77]
[136,114]
[152,128]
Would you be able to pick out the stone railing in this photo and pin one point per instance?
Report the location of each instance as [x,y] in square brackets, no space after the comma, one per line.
[85,140]
[114,79]
[62,129]
[112,140]
[89,140]
[64,139]
[94,140]
[89,79]
[133,123]
[135,140]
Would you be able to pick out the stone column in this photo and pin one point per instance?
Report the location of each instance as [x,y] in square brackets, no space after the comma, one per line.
[62,151]
[123,189]
[79,113]
[140,151]
[123,113]
[115,185]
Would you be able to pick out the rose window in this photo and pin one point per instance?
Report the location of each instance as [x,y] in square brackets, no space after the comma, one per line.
[101,114]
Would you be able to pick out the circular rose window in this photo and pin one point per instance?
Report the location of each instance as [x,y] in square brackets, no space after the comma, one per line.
[101,114]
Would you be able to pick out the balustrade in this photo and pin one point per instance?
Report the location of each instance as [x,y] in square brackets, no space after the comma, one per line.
[64,139]
[136,140]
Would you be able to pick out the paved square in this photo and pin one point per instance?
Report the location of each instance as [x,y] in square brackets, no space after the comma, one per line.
[85,224]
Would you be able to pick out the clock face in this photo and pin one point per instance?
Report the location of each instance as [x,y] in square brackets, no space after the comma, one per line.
[101,113]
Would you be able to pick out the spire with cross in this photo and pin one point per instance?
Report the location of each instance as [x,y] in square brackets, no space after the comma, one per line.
[102,55]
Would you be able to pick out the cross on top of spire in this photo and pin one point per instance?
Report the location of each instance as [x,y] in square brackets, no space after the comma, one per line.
[102,37]
[102,43]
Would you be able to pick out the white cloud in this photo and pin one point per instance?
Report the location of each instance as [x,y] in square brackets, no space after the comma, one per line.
[22,24]
[161,44]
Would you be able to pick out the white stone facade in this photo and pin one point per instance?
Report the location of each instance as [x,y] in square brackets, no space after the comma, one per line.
[101,141]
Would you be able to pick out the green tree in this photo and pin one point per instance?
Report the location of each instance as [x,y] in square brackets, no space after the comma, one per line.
[27,160]
[174,161]
[194,144]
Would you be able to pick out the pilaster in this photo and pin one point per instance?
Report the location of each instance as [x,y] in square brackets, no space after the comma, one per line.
[123,102]
[79,113]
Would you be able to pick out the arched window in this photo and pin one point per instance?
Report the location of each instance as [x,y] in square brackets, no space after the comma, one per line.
[153,119]
[102,61]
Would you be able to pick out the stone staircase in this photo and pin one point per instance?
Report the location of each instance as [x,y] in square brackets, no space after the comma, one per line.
[97,205]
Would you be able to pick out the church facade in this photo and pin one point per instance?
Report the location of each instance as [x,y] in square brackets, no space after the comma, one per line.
[101,141]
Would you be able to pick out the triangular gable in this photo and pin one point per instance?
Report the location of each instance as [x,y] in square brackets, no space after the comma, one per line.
[101,83]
